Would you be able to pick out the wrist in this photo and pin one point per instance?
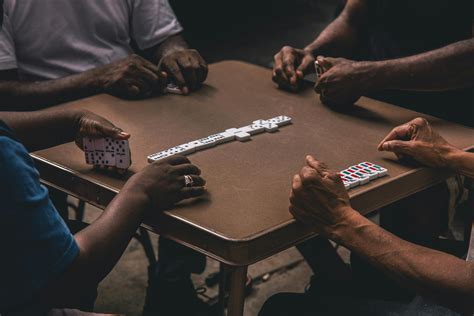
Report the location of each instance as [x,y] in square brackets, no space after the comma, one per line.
[344,229]
[135,194]
[381,72]
[453,157]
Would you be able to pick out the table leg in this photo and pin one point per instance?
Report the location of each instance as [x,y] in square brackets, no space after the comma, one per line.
[238,277]
[222,288]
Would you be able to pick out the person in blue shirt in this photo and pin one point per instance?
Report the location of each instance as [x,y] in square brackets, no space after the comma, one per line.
[44,265]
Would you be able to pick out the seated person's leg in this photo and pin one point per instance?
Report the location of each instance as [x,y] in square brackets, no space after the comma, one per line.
[170,287]
[323,259]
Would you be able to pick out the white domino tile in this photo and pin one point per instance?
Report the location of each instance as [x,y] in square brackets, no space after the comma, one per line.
[241,134]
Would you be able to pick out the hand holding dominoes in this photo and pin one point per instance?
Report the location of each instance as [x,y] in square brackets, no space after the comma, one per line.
[241,134]
[103,143]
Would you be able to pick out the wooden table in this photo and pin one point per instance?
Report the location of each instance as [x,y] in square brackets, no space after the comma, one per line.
[245,217]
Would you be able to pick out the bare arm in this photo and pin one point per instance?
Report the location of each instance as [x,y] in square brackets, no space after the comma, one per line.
[155,188]
[444,278]
[131,77]
[318,198]
[47,128]
[447,68]
[32,95]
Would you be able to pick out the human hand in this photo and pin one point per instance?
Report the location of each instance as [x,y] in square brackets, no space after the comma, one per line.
[132,78]
[88,124]
[186,68]
[318,198]
[163,182]
[345,81]
[417,140]
[92,125]
[291,65]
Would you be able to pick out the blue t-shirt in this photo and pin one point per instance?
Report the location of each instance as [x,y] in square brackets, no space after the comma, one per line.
[35,243]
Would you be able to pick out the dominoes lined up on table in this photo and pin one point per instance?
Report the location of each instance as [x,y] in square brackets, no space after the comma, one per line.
[242,134]
[107,152]
[361,174]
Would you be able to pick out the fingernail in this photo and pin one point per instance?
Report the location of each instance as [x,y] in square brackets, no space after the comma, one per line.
[124,134]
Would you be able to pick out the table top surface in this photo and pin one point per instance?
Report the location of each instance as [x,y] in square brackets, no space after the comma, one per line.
[248,183]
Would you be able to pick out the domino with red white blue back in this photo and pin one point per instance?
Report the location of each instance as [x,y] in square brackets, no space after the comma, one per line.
[361,174]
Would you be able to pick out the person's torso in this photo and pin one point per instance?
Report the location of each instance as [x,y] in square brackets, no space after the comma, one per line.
[56,38]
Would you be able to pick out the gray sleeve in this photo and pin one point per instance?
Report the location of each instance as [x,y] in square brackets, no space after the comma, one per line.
[7,46]
[153,21]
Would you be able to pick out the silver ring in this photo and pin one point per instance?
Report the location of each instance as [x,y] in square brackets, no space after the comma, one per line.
[188,181]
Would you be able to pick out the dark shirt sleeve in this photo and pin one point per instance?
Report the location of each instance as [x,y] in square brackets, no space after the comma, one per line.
[36,242]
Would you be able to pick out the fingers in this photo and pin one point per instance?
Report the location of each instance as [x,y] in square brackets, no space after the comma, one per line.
[176,160]
[174,71]
[187,169]
[327,62]
[279,75]
[189,72]
[288,66]
[306,66]
[197,180]
[112,131]
[297,183]
[191,192]
[398,147]
[402,132]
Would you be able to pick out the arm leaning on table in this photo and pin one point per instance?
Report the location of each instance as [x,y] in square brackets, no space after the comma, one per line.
[318,198]
[74,264]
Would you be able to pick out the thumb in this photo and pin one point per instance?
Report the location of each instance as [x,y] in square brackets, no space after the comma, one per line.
[306,66]
[397,146]
[107,129]
[326,62]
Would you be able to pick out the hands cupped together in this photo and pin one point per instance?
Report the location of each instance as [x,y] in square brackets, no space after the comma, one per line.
[318,197]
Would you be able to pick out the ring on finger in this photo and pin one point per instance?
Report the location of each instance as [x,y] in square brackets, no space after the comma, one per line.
[188,181]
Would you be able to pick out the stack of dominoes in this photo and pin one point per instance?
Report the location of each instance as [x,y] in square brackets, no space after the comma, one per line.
[241,134]
[361,174]
[107,152]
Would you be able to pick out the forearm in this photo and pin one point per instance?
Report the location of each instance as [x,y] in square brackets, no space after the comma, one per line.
[101,245]
[461,162]
[340,38]
[170,45]
[45,128]
[24,96]
[450,67]
[442,277]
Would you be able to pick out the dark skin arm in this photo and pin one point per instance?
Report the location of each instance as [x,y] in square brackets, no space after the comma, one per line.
[155,188]
[318,198]
[131,78]
[338,39]
[183,66]
[447,68]
[51,127]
